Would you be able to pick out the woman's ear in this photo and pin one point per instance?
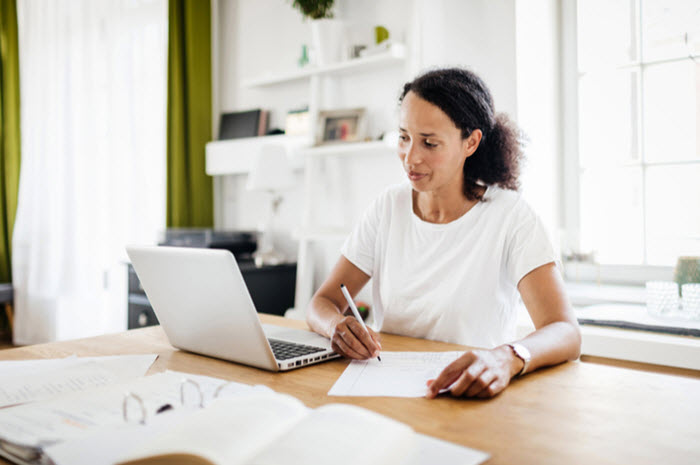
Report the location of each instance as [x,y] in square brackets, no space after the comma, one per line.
[471,143]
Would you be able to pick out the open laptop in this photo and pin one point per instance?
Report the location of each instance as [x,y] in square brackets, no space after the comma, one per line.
[203,305]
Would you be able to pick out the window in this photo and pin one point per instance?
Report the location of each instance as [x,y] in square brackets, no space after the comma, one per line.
[637,136]
[93,89]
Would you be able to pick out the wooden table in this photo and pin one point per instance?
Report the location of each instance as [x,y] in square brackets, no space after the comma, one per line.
[574,413]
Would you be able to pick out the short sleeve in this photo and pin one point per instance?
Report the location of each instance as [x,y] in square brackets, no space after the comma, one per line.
[359,248]
[529,245]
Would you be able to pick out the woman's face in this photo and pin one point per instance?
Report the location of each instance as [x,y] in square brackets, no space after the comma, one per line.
[431,147]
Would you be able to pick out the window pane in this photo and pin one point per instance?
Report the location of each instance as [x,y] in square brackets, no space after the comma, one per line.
[671,111]
[606,39]
[673,212]
[608,118]
[671,29]
[611,215]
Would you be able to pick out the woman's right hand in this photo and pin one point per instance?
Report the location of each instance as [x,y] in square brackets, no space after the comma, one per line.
[349,339]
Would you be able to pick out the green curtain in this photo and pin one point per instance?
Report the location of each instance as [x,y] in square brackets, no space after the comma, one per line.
[189,193]
[9,132]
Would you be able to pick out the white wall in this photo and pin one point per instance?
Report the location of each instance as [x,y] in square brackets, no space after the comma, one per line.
[259,37]
[477,34]
[539,106]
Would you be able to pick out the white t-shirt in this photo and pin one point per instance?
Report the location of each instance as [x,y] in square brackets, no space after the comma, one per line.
[453,282]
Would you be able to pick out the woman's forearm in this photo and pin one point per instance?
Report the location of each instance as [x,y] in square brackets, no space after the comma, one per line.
[325,310]
[322,315]
[552,344]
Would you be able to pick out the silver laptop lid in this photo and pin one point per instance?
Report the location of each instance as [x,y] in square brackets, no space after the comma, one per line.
[201,301]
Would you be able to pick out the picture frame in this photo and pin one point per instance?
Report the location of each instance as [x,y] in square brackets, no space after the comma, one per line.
[341,126]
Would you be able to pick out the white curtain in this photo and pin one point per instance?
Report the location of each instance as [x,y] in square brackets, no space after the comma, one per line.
[93,94]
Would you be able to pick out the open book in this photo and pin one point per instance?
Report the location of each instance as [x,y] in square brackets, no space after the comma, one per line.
[270,428]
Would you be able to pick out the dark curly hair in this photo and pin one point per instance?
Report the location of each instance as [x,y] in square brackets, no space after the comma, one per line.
[466,100]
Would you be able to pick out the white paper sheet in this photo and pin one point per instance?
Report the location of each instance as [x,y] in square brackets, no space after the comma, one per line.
[23,367]
[129,366]
[399,374]
[34,380]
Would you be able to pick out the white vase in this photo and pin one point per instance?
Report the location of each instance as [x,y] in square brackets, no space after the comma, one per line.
[327,40]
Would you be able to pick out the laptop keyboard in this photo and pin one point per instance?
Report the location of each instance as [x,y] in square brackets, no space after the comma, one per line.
[284,350]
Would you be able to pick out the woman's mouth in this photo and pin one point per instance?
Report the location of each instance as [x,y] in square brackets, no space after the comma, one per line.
[413,176]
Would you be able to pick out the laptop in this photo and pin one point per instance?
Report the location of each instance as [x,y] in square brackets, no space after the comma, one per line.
[203,305]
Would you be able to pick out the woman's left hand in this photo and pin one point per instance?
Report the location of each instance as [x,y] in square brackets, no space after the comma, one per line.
[477,373]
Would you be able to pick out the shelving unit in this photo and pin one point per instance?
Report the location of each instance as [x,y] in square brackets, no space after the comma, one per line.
[235,157]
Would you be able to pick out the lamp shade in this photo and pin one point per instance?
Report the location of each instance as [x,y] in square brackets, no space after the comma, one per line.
[271,170]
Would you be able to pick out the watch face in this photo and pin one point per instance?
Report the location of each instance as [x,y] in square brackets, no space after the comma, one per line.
[521,351]
[524,355]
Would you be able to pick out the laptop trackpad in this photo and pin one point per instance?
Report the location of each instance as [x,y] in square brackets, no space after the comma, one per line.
[296,335]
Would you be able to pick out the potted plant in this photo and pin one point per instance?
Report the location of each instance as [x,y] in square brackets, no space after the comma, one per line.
[326,31]
[314,9]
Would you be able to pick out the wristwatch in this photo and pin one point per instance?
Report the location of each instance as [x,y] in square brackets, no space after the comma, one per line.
[523,354]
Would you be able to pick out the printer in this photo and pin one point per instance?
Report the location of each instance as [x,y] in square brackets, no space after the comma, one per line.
[242,244]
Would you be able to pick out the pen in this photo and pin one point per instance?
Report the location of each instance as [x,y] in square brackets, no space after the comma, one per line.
[351,303]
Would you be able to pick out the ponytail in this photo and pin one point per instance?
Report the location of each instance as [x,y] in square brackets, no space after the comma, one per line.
[496,160]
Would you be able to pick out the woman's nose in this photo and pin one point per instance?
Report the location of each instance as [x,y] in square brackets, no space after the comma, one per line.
[411,156]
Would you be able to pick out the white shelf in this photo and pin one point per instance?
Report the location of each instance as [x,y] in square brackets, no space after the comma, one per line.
[235,156]
[395,55]
[350,148]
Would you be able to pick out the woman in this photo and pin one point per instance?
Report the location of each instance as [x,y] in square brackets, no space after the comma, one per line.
[450,250]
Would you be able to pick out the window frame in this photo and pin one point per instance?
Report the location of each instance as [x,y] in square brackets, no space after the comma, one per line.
[587,270]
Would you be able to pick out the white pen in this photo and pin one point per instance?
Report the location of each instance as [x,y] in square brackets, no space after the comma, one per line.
[351,303]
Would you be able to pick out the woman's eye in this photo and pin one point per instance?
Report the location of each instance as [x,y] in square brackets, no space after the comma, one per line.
[403,138]
[428,144]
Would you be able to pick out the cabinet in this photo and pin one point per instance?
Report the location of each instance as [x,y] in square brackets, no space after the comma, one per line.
[234,157]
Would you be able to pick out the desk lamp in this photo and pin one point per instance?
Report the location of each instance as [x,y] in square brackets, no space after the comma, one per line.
[271,172]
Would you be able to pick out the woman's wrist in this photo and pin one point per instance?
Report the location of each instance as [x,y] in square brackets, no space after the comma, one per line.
[513,363]
[332,323]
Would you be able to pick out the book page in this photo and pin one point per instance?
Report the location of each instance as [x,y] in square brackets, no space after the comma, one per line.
[399,374]
[109,445]
[341,434]
[229,431]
